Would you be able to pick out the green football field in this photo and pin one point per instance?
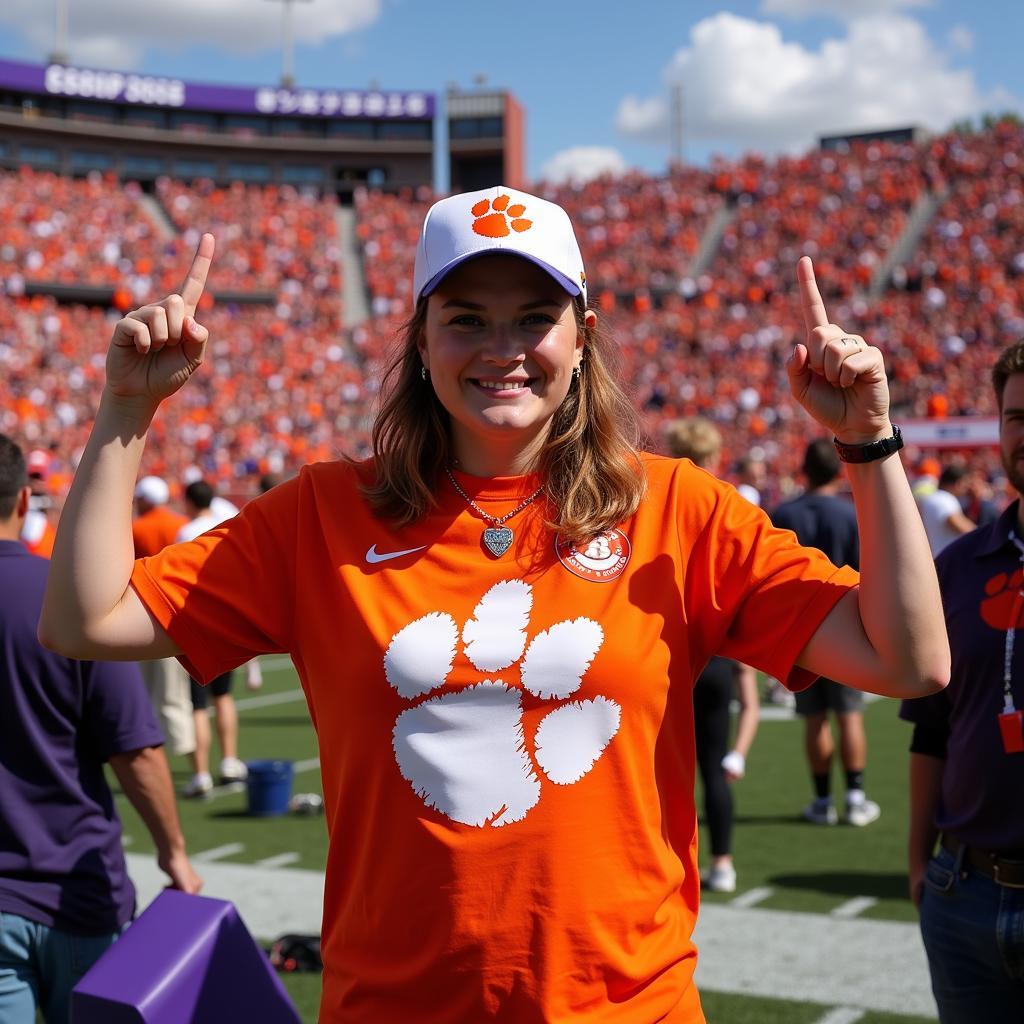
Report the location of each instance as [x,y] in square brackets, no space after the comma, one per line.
[783,863]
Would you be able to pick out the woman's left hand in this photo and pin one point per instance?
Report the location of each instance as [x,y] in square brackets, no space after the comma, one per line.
[836,376]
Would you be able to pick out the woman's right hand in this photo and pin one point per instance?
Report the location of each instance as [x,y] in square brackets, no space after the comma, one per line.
[154,350]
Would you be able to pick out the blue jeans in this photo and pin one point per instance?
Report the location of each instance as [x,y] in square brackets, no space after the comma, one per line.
[39,966]
[973,932]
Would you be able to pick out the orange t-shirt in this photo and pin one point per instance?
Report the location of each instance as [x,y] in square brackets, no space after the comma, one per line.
[155,529]
[506,744]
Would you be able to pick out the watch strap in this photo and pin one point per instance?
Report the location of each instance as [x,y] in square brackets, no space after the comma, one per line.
[872,450]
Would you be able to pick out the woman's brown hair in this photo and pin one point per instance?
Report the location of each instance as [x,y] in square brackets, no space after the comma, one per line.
[590,464]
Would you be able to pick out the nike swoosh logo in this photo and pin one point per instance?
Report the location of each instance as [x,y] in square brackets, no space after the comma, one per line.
[373,556]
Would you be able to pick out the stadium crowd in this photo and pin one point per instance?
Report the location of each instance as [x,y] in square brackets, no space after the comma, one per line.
[700,333]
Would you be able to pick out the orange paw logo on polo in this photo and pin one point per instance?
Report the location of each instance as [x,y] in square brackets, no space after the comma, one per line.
[1002,606]
[495,217]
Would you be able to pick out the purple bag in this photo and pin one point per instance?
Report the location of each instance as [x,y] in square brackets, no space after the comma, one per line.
[186,958]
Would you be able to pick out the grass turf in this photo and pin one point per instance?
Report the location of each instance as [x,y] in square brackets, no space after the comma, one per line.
[816,868]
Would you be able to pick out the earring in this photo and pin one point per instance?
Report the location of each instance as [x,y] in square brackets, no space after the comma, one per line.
[423,373]
[576,373]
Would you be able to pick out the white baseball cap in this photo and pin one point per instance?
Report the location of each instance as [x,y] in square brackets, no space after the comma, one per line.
[497,219]
[154,490]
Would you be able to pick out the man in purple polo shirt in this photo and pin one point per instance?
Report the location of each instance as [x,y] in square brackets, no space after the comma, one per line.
[65,894]
[967,759]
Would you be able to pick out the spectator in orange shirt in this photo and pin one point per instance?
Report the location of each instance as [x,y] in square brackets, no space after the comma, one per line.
[155,526]
[498,621]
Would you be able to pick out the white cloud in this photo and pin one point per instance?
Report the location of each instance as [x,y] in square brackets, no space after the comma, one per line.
[843,9]
[116,33]
[581,164]
[745,86]
[961,38]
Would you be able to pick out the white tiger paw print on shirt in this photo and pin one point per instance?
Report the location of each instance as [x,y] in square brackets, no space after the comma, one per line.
[464,753]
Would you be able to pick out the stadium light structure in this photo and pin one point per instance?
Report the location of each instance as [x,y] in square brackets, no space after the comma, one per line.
[60,43]
[288,42]
[676,123]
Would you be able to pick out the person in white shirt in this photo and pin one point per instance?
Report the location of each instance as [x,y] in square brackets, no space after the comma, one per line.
[941,511]
[199,504]
[205,510]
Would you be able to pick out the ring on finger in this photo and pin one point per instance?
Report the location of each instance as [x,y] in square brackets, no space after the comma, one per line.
[853,341]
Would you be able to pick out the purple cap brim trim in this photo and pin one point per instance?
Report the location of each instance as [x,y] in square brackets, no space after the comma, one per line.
[431,285]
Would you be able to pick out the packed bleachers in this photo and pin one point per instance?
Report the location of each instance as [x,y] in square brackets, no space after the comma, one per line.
[639,234]
[286,384]
[272,239]
[846,212]
[87,232]
[274,393]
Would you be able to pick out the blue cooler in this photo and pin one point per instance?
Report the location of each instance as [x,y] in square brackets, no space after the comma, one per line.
[270,787]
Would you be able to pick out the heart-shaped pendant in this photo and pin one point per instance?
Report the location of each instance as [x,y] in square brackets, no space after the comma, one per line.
[498,539]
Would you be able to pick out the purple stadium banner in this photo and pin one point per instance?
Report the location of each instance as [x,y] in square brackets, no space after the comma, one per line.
[156,91]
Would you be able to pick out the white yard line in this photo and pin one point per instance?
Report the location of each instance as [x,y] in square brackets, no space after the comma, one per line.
[752,897]
[841,1015]
[280,860]
[268,700]
[853,908]
[229,787]
[773,713]
[218,852]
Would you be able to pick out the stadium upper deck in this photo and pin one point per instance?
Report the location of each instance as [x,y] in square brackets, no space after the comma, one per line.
[76,120]
[138,127]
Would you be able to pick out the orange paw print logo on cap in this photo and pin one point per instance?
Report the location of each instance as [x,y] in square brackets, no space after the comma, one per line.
[494,218]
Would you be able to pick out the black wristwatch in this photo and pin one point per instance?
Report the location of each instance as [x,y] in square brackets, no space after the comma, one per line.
[871,451]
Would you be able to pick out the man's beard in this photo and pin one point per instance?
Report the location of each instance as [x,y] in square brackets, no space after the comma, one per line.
[1013,470]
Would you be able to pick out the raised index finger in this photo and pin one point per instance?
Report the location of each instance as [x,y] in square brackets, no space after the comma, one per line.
[195,281]
[810,297]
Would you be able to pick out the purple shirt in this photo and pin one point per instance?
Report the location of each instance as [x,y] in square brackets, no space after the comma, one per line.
[982,801]
[61,861]
[825,522]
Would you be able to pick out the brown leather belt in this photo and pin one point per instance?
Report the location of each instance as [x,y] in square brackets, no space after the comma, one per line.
[1002,869]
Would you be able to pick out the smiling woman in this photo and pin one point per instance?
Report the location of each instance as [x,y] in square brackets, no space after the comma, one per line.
[501,384]
[498,621]
[500,359]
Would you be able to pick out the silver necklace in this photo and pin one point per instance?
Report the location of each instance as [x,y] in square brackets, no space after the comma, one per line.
[497,537]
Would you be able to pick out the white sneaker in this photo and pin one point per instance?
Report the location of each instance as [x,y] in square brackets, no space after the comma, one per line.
[720,879]
[253,675]
[778,695]
[862,812]
[233,770]
[198,787]
[820,812]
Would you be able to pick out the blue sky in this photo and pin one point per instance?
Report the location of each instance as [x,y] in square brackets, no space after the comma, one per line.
[767,75]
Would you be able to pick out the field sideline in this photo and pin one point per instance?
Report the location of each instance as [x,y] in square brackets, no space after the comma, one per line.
[820,930]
